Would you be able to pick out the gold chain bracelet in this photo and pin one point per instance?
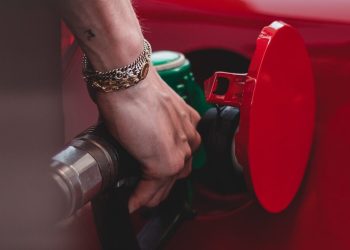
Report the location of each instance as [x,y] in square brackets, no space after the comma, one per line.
[120,78]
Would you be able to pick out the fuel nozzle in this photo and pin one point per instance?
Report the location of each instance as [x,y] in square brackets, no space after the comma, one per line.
[88,165]
[222,173]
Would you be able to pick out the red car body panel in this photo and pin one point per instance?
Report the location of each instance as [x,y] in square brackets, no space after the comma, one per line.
[325,11]
[319,216]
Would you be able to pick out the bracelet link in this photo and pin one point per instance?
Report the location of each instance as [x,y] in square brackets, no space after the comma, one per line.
[120,78]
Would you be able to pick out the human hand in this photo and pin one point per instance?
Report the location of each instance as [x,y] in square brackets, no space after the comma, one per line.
[158,128]
[150,120]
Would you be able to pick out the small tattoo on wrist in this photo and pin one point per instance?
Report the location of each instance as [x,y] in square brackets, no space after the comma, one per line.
[89,34]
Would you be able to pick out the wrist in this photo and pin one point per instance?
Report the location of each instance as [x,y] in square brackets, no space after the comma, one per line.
[119,51]
[107,31]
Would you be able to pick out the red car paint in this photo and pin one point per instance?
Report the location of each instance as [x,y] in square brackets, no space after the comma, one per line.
[318,218]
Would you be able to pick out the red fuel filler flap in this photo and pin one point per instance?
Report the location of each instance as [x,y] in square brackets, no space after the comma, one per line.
[277,108]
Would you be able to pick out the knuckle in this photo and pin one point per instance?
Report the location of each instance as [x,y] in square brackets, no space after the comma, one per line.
[175,161]
[197,139]
[188,152]
[195,117]
[176,165]
[183,137]
[193,134]
[184,115]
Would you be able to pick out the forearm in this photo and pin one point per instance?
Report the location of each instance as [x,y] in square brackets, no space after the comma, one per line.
[107,30]
[153,123]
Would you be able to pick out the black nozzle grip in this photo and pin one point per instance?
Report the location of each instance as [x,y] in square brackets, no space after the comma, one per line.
[110,208]
[221,173]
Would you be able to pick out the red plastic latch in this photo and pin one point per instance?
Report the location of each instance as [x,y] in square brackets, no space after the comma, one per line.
[225,88]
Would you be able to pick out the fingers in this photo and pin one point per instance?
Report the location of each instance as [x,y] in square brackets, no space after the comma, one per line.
[144,192]
[194,116]
[194,139]
[168,158]
[186,171]
[162,194]
[150,193]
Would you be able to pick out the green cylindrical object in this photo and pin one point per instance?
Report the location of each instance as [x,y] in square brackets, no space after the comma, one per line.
[175,70]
